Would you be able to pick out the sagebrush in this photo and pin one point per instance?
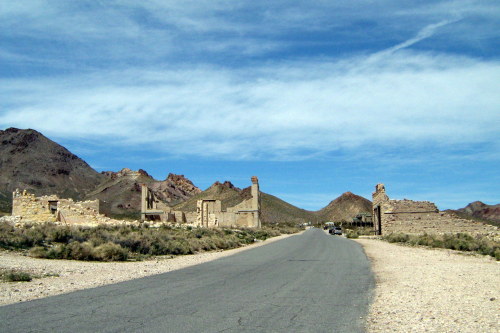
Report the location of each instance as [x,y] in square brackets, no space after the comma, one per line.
[112,243]
[13,275]
[458,241]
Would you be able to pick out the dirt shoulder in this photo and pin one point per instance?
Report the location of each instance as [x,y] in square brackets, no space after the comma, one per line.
[432,290]
[63,276]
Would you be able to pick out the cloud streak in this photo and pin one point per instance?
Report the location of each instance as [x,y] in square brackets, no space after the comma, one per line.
[427,32]
[289,110]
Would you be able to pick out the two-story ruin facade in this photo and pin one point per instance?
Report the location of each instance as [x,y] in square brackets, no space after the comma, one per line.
[209,212]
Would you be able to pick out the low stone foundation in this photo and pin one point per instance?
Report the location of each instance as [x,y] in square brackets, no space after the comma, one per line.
[416,217]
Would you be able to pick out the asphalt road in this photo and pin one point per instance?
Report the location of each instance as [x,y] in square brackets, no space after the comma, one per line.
[311,282]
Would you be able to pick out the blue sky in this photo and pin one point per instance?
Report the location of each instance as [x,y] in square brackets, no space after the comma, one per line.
[316,98]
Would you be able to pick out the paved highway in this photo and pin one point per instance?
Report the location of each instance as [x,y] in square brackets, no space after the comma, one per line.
[311,282]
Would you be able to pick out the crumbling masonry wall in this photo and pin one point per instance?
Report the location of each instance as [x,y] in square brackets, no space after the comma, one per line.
[85,212]
[154,210]
[33,209]
[45,209]
[416,217]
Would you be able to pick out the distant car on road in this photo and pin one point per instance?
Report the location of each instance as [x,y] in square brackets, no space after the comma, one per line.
[335,231]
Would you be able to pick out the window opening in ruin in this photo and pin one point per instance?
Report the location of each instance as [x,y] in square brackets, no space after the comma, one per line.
[53,206]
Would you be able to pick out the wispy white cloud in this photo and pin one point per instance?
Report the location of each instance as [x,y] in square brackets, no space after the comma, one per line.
[153,30]
[424,33]
[278,111]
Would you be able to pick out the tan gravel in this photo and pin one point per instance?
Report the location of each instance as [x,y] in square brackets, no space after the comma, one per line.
[432,290]
[71,275]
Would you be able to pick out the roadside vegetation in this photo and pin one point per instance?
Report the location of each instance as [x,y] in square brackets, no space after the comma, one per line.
[355,232]
[459,241]
[12,275]
[119,243]
[19,275]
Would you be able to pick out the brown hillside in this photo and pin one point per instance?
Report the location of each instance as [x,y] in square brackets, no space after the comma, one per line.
[483,211]
[479,211]
[29,160]
[274,210]
[344,208]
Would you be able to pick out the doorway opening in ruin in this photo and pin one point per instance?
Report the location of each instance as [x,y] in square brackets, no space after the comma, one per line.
[53,206]
[152,217]
[378,216]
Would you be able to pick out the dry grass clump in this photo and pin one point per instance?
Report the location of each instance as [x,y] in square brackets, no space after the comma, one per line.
[351,234]
[115,243]
[458,241]
[12,275]
[355,232]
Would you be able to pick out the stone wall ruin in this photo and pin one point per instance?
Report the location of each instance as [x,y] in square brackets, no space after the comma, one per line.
[209,212]
[52,209]
[417,217]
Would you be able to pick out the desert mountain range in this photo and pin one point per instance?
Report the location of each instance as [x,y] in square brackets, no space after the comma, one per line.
[29,160]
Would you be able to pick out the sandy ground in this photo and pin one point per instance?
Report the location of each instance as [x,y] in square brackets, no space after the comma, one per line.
[432,290]
[63,276]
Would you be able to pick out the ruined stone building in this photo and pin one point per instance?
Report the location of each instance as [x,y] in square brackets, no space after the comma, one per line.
[50,208]
[152,209]
[209,212]
[416,217]
[361,220]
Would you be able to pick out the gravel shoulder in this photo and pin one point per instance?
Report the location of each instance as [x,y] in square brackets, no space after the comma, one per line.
[432,290]
[63,276]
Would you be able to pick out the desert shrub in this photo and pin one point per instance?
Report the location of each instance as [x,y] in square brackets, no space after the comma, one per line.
[427,240]
[352,234]
[460,242]
[57,251]
[396,238]
[360,231]
[496,254]
[59,235]
[34,237]
[38,252]
[207,244]
[178,247]
[225,243]
[79,251]
[245,236]
[15,276]
[110,252]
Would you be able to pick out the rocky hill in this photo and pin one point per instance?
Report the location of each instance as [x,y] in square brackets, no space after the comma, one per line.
[482,211]
[120,193]
[29,160]
[479,211]
[344,208]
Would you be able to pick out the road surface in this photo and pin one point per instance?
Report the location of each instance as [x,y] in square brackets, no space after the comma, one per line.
[311,282]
